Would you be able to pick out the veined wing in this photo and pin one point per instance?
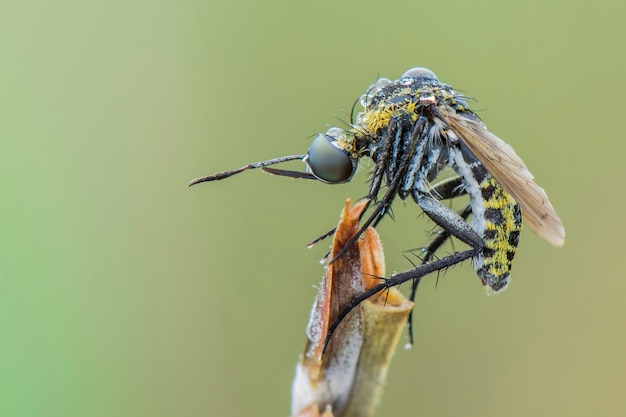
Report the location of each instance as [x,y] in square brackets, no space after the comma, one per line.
[511,172]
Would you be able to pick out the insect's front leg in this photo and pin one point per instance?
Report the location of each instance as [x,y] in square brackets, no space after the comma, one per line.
[443,190]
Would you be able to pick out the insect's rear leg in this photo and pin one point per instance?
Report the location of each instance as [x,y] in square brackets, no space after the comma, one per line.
[452,223]
[449,188]
[428,254]
[448,219]
[398,279]
[445,190]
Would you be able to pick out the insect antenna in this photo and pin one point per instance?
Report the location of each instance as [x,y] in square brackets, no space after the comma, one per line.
[225,174]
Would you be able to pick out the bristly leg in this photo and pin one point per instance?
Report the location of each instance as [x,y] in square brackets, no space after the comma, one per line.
[397,279]
[429,253]
[412,145]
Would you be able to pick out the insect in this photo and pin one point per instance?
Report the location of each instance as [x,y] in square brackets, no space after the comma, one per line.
[413,128]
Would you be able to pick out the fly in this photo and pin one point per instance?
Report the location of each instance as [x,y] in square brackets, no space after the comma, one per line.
[412,128]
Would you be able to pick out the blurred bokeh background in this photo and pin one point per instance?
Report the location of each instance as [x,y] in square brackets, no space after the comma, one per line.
[124,293]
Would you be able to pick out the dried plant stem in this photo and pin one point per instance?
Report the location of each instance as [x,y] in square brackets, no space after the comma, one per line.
[346,379]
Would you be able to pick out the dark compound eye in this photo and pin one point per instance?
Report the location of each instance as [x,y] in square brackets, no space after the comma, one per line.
[420,72]
[327,162]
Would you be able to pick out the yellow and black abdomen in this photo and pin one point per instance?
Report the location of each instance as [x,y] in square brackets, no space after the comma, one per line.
[502,219]
[496,217]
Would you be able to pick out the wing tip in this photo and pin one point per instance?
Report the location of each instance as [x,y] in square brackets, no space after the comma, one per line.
[559,242]
[557,237]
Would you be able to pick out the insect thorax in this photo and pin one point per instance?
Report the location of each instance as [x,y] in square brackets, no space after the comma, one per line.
[401,99]
[387,126]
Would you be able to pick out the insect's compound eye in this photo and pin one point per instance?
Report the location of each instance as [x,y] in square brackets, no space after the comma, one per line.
[420,73]
[328,162]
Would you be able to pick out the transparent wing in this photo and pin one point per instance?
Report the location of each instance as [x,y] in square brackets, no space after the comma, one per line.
[511,172]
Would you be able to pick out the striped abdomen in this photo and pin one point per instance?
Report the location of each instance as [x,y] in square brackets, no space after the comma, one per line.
[495,216]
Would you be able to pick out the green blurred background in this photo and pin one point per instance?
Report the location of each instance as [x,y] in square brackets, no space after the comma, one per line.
[123,293]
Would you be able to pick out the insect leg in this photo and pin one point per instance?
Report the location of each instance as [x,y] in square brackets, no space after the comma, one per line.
[449,188]
[448,219]
[391,141]
[412,144]
[398,279]
[445,190]
[429,252]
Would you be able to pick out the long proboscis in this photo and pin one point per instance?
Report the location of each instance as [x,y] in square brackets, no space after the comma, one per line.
[226,174]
